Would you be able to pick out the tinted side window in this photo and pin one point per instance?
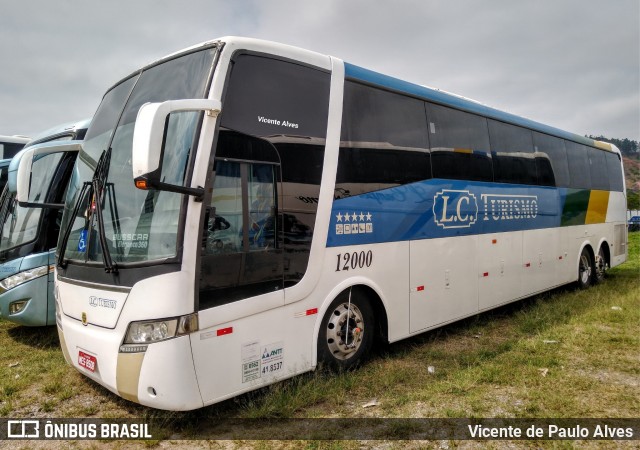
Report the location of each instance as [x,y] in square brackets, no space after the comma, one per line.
[550,151]
[598,169]
[512,152]
[4,176]
[384,140]
[614,169]
[286,104]
[459,144]
[268,97]
[578,160]
[11,150]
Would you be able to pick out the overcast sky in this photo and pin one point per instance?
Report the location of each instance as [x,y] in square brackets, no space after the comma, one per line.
[573,64]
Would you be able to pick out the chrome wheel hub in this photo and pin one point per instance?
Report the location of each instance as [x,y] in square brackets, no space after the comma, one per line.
[345,330]
[585,269]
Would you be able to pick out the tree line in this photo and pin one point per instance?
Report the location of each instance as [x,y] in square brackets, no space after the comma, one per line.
[627,146]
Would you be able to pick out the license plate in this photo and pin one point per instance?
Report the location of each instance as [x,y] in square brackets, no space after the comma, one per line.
[87,361]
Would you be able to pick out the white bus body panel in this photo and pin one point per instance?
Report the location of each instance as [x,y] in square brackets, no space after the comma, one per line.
[100,306]
[101,343]
[443,285]
[170,295]
[499,268]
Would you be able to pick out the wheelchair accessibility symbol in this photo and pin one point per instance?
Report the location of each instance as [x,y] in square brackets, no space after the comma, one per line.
[82,242]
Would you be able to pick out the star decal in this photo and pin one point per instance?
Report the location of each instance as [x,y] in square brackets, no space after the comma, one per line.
[339,217]
[368,217]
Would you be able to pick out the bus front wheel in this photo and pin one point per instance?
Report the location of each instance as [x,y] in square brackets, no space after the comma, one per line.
[346,332]
[585,269]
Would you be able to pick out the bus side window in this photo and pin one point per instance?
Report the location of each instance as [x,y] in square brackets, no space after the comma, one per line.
[579,170]
[242,252]
[262,205]
[513,156]
[553,151]
[383,140]
[615,171]
[224,230]
[460,146]
[598,169]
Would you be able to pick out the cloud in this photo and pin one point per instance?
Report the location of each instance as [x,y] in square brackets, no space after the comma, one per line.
[572,64]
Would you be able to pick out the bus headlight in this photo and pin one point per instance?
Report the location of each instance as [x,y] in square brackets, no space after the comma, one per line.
[140,334]
[24,276]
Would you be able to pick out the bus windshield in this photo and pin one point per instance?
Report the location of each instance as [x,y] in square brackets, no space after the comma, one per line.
[139,225]
[20,224]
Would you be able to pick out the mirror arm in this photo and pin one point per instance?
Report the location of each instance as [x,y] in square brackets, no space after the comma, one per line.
[197,193]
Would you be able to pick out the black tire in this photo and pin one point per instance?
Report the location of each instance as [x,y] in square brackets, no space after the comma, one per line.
[334,351]
[585,269]
[601,265]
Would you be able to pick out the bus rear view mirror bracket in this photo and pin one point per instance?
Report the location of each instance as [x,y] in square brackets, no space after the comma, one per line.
[21,169]
[149,137]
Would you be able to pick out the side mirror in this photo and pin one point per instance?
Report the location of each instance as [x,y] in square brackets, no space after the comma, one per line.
[150,136]
[21,169]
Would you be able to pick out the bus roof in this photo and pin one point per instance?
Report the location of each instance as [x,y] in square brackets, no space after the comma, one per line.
[60,130]
[16,139]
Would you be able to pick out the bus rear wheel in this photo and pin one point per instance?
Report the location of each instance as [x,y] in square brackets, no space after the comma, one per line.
[585,269]
[346,332]
[601,265]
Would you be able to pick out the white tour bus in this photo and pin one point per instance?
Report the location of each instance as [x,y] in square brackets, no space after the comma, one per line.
[242,211]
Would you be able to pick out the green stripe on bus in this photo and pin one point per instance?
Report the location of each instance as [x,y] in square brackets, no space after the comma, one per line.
[575,207]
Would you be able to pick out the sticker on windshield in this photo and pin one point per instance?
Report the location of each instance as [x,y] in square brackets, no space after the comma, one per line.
[82,242]
[131,240]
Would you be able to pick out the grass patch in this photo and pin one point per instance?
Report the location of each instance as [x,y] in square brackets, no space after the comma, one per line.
[565,353]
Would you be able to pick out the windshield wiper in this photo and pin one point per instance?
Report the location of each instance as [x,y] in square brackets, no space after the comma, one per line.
[67,231]
[5,205]
[93,191]
[99,185]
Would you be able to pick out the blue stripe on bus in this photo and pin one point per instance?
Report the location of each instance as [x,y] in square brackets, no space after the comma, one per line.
[442,208]
[371,77]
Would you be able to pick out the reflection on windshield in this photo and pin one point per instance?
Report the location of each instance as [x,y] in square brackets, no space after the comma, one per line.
[139,225]
[20,224]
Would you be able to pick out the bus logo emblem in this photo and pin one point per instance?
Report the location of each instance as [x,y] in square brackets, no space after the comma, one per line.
[455,209]
[84,319]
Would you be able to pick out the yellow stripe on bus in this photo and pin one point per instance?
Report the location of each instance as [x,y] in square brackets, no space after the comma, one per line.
[462,150]
[603,145]
[597,209]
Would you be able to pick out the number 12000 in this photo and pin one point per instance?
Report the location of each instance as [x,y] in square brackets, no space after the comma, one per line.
[355,260]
